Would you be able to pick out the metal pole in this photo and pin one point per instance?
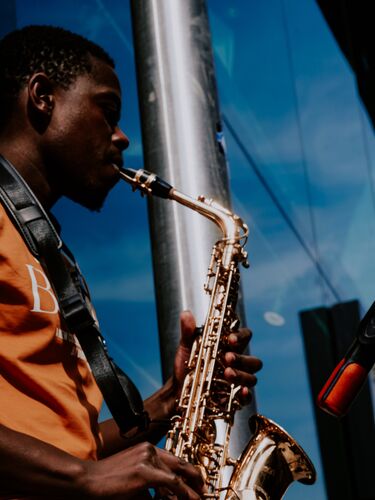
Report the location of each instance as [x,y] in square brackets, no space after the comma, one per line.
[181,129]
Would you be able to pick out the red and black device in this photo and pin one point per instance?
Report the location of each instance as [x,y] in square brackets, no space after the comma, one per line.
[348,377]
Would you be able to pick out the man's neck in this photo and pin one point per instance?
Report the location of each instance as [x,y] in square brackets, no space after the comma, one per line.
[27,162]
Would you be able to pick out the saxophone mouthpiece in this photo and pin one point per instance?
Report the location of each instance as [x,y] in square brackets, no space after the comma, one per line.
[146,182]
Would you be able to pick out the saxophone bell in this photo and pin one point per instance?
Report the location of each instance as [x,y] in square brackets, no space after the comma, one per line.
[271,461]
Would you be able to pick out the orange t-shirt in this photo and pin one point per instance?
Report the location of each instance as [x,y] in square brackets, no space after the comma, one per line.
[46,386]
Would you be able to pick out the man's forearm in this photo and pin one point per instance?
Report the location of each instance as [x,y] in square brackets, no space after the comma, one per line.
[160,407]
[29,466]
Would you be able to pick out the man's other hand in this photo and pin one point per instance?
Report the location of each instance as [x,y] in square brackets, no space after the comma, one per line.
[131,473]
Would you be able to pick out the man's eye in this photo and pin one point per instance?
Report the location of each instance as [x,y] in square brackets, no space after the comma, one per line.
[112,117]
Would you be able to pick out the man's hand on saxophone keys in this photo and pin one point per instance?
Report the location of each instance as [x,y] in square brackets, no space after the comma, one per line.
[239,366]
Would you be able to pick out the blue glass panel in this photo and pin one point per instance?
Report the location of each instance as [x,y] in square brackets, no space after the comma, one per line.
[7,16]
[301,158]
[279,283]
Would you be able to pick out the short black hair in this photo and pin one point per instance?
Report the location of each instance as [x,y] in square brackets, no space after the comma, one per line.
[59,53]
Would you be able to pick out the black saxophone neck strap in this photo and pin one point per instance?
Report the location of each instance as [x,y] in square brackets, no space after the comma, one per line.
[41,237]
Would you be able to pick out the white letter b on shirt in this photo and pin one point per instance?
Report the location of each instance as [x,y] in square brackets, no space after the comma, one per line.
[39,282]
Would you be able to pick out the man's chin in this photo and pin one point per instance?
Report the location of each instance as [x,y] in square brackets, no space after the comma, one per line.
[94,201]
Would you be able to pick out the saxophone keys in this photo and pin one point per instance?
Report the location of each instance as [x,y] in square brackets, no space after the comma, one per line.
[234,326]
[232,462]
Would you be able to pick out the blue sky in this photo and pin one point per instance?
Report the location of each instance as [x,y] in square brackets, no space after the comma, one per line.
[298,114]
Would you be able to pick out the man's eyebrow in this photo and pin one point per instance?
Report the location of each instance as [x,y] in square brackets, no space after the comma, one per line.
[108,94]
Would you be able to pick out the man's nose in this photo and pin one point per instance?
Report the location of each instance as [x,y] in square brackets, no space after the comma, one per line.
[120,139]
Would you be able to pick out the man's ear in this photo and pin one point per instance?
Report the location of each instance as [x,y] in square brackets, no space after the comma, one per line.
[41,95]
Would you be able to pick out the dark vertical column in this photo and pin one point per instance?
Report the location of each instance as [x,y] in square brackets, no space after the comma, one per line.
[348,445]
[7,16]
[181,131]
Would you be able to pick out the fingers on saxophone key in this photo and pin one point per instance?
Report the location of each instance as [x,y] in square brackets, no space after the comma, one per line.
[243,362]
[189,473]
[239,340]
[245,396]
[239,377]
[174,484]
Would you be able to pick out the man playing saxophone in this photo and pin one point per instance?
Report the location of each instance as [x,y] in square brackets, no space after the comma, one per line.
[59,132]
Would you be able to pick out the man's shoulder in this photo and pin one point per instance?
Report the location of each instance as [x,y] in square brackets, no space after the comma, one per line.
[3,218]
[5,222]
[12,245]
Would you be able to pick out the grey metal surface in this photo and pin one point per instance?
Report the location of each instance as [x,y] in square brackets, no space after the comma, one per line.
[180,125]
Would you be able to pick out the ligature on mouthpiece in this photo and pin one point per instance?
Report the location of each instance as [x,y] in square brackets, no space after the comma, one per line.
[146,182]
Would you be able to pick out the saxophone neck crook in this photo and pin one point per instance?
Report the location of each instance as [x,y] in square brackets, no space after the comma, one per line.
[231,226]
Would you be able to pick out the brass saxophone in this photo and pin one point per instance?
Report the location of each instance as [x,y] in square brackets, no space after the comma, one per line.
[200,433]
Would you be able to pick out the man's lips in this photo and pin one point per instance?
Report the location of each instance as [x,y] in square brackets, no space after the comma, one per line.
[118,162]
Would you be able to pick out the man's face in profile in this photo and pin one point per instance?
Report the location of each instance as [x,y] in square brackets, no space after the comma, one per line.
[85,141]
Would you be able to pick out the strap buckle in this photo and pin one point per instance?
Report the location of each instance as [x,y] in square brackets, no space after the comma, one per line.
[76,313]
